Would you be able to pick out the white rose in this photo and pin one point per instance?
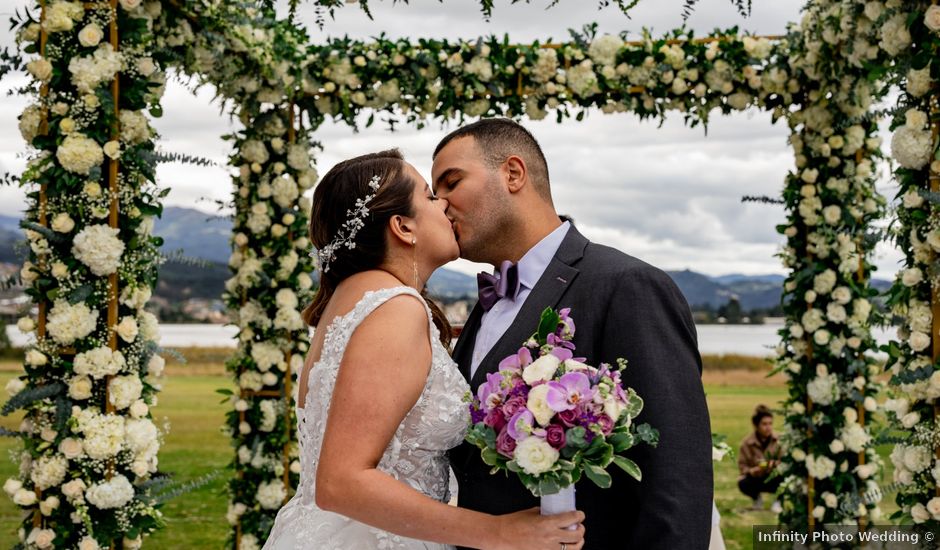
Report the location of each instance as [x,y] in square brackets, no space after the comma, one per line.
[830,499]
[933,506]
[127,329]
[538,404]
[90,35]
[74,489]
[130,4]
[836,446]
[88,543]
[541,370]
[24,497]
[919,513]
[910,419]
[47,506]
[912,276]
[41,69]
[42,538]
[12,486]
[63,223]
[919,341]
[71,448]
[112,149]
[932,18]
[80,388]
[146,66]
[15,386]
[535,456]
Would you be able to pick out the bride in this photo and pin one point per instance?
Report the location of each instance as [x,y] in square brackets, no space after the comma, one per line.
[379,400]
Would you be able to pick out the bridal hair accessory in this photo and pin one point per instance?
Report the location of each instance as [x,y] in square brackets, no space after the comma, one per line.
[347,234]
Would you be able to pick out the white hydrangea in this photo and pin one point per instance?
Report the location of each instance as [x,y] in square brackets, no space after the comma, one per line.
[91,71]
[123,391]
[254,151]
[113,493]
[258,223]
[813,320]
[582,80]
[603,50]
[824,282]
[79,154]
[289,319]
[546,65]
[99,247]
[895,36]
[284,191]
[148,327]
[67,323]
[919,82]
[480,67]
[911,147]
[286,265]
[49,472]
[99,362]
[266,355]
[268,415]
[61,16]
[855,437]
[824,389]
[271,494]
[104,433]
[141,436]
[820,467]
[251,380]
[253,314]
[29,122]
[135,128]
[298,158]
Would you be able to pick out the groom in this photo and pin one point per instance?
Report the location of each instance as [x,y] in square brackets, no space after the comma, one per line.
[495,177]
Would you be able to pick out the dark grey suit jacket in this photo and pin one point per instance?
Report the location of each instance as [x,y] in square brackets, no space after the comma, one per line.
[622,307]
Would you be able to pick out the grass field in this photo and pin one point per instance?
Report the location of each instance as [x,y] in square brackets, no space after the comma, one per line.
[195,446]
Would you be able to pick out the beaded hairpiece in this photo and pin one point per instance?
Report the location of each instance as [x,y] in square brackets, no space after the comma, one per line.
[347,234]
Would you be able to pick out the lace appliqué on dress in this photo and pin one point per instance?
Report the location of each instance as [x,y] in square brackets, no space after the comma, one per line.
[416,455]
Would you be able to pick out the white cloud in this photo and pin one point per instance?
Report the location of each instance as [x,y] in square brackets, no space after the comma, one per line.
[669,195]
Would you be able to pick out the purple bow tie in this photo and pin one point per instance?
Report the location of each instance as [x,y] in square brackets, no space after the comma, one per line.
[492,289]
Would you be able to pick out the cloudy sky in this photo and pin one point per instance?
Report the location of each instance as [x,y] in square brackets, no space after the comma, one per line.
[669,195]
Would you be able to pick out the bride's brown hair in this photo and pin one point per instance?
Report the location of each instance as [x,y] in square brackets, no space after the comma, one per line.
[336,194]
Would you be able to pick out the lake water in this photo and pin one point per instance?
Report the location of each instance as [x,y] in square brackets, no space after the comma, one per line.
[756,340]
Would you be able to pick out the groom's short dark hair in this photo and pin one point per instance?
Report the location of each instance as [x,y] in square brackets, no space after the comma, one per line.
[498,139]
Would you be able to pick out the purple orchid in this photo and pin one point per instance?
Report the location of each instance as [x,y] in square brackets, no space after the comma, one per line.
[517,362]
[571,390]
[565,324]
[520,425]
[490,393]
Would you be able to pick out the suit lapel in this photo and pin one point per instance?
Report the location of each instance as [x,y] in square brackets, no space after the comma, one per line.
[463,349]
[547,292]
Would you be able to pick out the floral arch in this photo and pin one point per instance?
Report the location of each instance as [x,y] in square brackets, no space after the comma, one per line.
[89,444]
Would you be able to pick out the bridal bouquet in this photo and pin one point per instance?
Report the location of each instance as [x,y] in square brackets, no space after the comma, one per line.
[549,417]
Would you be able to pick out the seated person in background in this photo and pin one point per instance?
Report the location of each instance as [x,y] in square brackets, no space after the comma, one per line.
[759,455]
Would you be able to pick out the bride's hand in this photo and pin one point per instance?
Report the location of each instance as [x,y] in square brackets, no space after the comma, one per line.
[528,530]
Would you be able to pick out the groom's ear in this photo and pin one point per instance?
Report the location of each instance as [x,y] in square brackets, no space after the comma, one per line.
[515,172]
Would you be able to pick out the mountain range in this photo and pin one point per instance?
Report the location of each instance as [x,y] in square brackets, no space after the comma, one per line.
[196,234]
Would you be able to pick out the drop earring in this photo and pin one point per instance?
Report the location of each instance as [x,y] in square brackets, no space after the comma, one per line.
[414,261]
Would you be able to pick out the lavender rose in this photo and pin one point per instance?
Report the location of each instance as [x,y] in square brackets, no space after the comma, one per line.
[605,423]
[513,405]
[505,444]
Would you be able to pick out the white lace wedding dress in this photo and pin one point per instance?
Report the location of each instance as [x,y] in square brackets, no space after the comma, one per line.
[415,455]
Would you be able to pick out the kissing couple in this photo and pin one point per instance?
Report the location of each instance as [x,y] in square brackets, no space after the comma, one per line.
[380,405]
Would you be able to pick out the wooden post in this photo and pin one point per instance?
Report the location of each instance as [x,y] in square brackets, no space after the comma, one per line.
[43,221]
[934,291]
